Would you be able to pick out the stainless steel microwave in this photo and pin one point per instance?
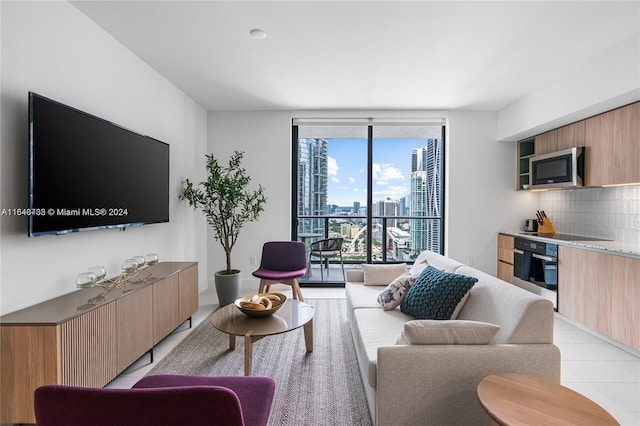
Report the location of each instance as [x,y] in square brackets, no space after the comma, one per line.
[561,169]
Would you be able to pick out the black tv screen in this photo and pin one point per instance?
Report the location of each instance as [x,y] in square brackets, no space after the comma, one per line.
[87,173]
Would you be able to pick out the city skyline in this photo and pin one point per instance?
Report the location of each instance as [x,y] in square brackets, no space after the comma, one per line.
[406,181]
[347,179]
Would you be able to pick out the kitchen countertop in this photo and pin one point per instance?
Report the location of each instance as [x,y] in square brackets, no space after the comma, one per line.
[606,246]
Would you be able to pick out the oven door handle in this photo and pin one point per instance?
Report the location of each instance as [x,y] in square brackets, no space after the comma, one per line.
[518,251]
[547,258]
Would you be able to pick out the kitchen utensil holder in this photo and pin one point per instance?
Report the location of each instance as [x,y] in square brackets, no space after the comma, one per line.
[546,227]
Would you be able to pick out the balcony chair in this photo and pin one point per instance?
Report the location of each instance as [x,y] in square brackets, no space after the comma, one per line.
[326,249]
[282,262]
[159,401]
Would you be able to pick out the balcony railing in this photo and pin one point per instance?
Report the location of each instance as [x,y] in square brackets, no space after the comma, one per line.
[393,238]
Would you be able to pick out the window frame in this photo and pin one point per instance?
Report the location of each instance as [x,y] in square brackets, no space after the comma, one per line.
[370,124]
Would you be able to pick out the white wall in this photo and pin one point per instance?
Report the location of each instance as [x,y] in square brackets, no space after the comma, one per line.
[265,137]
[53,49]
[611,80]
[481,195]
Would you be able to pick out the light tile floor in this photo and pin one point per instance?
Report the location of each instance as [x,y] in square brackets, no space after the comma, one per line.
[602,371]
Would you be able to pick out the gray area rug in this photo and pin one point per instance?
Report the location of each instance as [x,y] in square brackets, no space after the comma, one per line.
[323,387]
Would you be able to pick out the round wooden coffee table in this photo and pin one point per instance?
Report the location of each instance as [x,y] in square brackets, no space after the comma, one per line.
[294,314]
[521,399]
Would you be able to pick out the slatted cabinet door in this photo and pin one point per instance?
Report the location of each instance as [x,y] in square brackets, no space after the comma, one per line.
[135,326]
[188,297]
[87,345]
[165,307]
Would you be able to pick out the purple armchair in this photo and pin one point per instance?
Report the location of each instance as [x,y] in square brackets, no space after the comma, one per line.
[282,262]
[160,400]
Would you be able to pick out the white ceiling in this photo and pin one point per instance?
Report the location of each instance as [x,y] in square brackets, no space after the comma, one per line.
[365,54]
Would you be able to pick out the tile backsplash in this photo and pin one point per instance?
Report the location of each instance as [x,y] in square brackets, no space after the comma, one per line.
[612,213]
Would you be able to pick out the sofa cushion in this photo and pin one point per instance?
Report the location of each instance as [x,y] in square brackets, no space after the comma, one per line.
[382,274]
[448,332]
[436,294]
[436,260]
[375,328]
[392,295]
[362,296]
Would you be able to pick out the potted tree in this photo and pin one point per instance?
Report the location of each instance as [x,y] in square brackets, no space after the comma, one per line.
[228,205]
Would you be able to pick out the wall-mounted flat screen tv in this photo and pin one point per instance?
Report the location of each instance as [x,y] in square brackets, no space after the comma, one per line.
[87,173]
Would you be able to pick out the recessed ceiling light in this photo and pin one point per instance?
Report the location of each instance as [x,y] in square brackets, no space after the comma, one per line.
[257,34]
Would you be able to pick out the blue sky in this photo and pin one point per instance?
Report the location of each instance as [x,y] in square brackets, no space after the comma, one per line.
[347,169]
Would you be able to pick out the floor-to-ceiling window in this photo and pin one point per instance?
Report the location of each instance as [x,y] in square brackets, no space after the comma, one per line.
[377,185]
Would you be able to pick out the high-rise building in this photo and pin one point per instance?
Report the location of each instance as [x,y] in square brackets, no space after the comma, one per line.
[312,184]
[387,208]
[402,207]
[426,196]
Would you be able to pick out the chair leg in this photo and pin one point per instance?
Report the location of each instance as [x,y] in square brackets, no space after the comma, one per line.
[344,278]
[321,273]
[297,293]
[265,286]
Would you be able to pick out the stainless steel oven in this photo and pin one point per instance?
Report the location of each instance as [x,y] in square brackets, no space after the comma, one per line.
[535,267]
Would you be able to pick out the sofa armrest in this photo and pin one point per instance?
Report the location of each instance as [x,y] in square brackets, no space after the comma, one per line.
[436,384]
[355,276]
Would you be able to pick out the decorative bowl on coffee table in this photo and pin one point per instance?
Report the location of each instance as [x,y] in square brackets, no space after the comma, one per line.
[277,301]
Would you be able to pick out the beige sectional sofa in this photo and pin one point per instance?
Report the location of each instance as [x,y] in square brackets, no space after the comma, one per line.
[435,384]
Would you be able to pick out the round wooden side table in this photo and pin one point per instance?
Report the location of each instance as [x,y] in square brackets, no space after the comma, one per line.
[521,399]
[293,314]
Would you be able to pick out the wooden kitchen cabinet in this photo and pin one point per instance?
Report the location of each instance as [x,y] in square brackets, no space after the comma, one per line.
[601,291]
[597,291]
[612,147]
[599,160]
[571,277]
[625,297]
[626,144]
[67,341]
[505,257]
[584,289]
[547,142]
[571,135]
[561,138]
[612,143]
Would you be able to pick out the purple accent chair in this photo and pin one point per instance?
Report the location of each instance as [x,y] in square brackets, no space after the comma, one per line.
[158,401]
[282,262]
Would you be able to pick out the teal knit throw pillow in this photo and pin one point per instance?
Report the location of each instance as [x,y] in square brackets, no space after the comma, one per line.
[435,294]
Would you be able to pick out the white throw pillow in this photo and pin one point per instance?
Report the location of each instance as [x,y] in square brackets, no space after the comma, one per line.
[448,332]
[382,274]
[391,297]
[418,267]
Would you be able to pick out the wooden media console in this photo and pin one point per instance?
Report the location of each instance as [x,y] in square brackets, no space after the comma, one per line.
[62,341]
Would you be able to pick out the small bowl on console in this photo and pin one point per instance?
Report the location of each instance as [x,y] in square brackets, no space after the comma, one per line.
[256,305]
